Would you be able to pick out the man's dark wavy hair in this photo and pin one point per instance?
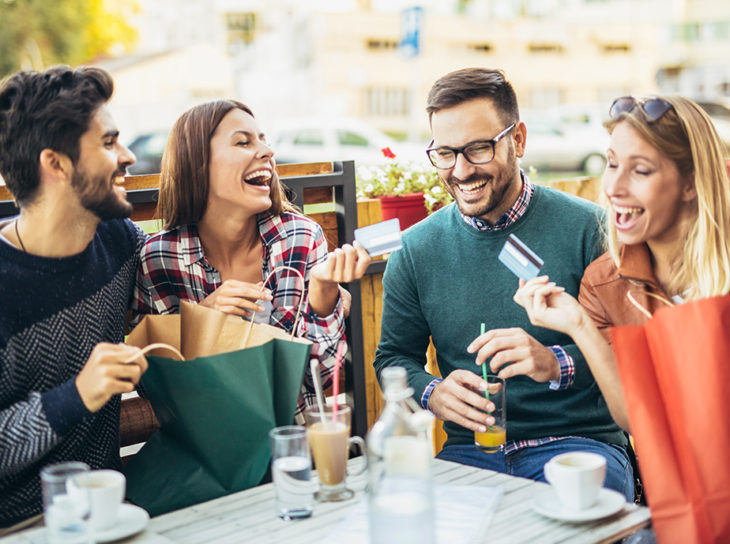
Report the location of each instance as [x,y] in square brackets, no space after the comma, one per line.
[45,110]
[460,86]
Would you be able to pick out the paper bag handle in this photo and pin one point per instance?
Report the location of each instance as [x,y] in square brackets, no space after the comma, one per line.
[299,308]
[643,310]
[158,345]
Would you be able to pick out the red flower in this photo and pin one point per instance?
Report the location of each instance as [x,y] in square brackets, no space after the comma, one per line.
[387,153]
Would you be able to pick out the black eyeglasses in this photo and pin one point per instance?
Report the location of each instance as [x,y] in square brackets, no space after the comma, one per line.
[653,108]
[477,152]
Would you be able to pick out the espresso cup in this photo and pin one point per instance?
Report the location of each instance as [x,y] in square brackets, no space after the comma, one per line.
[329,438]
[105,492]
[577,478]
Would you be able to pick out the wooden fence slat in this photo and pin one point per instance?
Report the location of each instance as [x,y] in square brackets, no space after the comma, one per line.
[371,290]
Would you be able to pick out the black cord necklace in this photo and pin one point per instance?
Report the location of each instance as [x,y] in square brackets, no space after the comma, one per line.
[22,245]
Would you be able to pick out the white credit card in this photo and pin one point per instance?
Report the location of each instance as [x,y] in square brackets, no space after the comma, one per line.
[520,259]
[380,238]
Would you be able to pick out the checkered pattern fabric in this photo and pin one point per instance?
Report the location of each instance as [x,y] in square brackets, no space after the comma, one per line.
[174,268]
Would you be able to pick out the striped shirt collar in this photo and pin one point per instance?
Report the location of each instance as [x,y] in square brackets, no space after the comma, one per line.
[513,214]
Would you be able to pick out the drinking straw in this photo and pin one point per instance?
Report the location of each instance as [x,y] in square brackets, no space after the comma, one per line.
[484,371]
[318,388]
[484,367]
[336,384]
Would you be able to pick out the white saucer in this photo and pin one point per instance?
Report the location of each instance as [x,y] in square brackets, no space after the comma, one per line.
[609,502]
[130,520]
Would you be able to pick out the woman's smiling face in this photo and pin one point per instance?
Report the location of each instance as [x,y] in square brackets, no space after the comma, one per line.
[644,188]
[241,164]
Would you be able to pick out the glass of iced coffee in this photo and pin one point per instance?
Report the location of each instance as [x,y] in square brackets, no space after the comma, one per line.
[329,438]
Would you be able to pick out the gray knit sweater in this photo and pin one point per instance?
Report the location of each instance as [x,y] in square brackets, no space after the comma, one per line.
[52,314]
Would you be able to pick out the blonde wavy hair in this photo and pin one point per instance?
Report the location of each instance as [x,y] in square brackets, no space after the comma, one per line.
[685,134]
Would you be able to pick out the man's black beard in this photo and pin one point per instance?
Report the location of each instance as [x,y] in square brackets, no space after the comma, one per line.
[494,201]
[106,206]
[498,194]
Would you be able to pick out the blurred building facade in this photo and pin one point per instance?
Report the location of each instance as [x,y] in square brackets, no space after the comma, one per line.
[287,58]
[697,61]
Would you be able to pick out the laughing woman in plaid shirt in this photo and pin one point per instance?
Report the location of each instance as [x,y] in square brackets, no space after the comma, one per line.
[228,224]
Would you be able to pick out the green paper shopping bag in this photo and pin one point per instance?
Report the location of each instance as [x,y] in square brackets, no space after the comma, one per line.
[237,382]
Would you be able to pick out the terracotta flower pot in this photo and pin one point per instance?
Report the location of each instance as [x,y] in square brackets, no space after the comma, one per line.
[410,208]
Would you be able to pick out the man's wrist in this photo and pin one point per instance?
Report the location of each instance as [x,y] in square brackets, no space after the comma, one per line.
[426,396]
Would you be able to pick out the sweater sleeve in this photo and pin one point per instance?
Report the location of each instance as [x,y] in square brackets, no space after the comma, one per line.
[404,333]
[31,427]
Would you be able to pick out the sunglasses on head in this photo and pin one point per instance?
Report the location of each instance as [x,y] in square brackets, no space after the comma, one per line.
[653,108]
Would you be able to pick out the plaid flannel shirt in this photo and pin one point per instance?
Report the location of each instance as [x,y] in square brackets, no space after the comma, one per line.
[174,268]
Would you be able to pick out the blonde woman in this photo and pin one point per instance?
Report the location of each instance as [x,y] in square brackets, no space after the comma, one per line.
[668,232]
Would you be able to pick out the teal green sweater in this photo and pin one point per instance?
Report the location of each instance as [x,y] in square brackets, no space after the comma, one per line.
[447,280]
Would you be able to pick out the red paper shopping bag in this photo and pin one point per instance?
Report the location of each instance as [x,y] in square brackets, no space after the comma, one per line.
[675,374]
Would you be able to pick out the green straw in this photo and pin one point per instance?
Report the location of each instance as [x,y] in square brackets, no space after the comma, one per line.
[484,367]
[484,371]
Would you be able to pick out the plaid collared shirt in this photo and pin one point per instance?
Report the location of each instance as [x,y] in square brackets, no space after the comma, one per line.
[517,210]
[565,361]
[174,268]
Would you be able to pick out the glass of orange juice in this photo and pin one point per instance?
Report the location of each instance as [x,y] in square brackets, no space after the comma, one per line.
[495,436]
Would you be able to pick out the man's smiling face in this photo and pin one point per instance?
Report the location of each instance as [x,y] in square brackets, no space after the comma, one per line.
[480,190]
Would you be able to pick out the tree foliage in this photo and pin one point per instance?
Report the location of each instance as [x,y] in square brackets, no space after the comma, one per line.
[39,33]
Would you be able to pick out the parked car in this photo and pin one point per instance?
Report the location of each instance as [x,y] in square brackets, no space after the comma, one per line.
[312,140]
[148,149]
[555,145]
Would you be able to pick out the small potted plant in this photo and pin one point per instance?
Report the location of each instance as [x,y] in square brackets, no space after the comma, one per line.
[407,191]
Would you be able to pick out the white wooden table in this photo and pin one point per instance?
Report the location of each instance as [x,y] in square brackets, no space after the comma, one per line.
[248,516]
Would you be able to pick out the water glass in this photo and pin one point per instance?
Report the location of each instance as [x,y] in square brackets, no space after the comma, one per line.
[291,472]
[65,514]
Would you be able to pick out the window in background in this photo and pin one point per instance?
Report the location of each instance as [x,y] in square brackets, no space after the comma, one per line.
[241,28]
[480,47]
[546,97]
[613,48]
[542,48]
[381,44]
[387,101]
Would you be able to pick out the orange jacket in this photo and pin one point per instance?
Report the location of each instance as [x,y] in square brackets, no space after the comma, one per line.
[605,290]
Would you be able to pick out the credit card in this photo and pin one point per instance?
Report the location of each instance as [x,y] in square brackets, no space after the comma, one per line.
[380,238]
[520,259]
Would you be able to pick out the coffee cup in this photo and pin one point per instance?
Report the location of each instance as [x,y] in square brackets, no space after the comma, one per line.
[104,489]
[577,478]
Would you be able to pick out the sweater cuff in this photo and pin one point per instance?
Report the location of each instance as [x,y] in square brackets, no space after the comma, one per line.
[63,407]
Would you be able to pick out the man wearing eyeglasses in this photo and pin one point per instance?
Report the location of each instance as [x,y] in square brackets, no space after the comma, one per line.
[447,281]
